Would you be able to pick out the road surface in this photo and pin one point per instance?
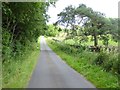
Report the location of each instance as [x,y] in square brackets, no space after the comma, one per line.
[52,72]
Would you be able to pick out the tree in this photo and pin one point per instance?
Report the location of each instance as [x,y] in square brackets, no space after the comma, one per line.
[22,23]
[94,23]
[52,30]
[114,28]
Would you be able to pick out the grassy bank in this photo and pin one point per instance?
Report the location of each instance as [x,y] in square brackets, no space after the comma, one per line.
[89,41]
[17,73]
[82,63]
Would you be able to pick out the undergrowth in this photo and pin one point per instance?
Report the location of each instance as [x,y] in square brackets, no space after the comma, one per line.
[17,72]
[86,63]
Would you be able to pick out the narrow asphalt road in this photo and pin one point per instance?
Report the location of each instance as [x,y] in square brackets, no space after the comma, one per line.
[52,72]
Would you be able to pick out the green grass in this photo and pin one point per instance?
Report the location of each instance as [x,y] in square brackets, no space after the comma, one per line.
[93,73]
[17,73]
[89,43]
[75,40]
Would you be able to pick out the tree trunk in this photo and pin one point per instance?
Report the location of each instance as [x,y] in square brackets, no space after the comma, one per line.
[95,38]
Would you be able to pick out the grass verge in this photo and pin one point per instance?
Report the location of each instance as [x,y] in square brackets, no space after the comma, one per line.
[93,73]
[17,73]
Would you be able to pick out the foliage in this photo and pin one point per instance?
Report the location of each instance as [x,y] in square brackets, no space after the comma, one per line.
[16,73]
[92,23]
[111,64]
[102,57]
[89,42]
[83,22]
[108,61]
[82,63]
[52,30]
[22,23]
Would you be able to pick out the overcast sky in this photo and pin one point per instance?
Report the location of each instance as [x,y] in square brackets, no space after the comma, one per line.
[108,7]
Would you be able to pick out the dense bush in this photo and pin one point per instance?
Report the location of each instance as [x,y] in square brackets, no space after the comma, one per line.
[52,30]
[109,64]
[102,57]
[66,49]
[108,61]
[22,23]
[7,49]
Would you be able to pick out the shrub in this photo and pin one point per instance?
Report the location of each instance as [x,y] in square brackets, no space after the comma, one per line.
[116,66]
[101,58]
[108,65]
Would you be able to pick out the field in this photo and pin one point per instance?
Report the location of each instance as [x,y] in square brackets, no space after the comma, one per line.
[75,40]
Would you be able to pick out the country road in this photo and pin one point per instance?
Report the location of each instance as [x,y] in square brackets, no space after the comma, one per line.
[52,72]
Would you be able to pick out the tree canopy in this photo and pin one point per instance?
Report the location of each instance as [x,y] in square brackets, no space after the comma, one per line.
[92,22]
[22,23]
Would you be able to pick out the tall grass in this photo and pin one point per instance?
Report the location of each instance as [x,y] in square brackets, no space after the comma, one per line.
[17,72]
[82,62]
[90,43]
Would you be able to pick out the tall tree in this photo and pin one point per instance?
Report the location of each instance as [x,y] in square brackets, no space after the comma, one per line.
[22,23]
[93,22]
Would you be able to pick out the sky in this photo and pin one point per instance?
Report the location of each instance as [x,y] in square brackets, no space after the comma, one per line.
[108,7]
